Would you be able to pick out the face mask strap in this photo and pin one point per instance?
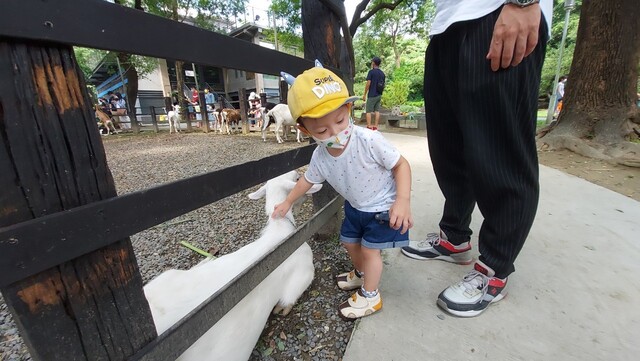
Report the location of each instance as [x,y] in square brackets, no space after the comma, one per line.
[302,129]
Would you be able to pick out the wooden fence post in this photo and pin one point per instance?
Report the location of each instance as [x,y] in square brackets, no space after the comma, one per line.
[154,119]
[242,97]
[263,99]
[203,111]
[52,159]
[284,90]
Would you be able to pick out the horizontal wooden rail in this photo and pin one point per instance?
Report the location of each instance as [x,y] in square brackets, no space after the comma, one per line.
[177,339]
[39,244]
[90,23]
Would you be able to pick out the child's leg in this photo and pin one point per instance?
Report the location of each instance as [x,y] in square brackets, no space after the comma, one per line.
[372,264]
[355,253]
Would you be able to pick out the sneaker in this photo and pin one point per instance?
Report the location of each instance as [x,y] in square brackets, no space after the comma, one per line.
[436,246]
[374,128]
[358,306]
[349,281]
[477,290]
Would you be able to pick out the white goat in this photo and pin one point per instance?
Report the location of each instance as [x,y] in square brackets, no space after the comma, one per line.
[174,293]
[173,116]
[281,116]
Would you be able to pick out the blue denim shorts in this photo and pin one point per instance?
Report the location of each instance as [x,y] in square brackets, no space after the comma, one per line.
[362,227]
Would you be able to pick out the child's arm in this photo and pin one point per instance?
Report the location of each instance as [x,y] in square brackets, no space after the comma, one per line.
[400,212]
[301,187]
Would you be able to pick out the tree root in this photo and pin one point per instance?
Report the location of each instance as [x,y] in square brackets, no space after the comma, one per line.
[624,153]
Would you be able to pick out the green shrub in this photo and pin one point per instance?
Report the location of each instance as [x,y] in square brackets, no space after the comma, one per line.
[395,93]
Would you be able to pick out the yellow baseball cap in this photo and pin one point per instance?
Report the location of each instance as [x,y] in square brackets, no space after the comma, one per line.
[317,92]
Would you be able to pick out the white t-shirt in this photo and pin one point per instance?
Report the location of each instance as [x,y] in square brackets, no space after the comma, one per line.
[453,11]
[362,173]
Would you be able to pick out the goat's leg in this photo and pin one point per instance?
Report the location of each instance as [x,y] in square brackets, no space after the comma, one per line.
[277,131]
[300,266]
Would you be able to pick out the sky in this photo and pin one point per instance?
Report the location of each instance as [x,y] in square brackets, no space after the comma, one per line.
[260,7]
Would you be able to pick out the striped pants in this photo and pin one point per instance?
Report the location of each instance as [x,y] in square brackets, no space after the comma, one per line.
[481,130]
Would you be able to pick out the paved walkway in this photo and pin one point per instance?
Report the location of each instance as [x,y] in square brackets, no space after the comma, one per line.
[575,294]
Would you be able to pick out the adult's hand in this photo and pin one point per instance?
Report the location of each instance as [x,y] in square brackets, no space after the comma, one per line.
[515,35]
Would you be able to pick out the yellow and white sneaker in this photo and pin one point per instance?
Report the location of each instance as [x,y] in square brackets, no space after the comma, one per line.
[349,281]
[358,306]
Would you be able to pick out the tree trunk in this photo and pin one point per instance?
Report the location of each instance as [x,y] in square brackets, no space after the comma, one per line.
[321,29]
[131,76]
[599,115]
[322,41]
[181,99]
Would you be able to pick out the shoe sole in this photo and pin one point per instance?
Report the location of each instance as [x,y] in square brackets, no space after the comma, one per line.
[471,313]
[450,259]
[345,318]
[354,287]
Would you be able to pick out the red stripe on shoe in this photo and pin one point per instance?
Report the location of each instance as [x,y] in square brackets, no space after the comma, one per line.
[451,248]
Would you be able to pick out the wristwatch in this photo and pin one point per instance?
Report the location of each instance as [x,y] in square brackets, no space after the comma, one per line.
[522,3]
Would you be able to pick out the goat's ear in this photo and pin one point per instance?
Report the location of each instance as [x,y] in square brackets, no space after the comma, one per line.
[261,192]
[314,188]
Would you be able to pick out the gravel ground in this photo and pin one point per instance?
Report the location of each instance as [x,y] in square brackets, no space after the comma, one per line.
[312,331]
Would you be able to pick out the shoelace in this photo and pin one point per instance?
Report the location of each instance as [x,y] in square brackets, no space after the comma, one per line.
[433,239]
[475,280]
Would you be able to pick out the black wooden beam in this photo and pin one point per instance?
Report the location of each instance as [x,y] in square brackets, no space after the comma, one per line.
[103,25]
[177,339]
[39,244]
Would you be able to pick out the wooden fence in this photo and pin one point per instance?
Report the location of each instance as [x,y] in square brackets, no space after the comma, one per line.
[67,268]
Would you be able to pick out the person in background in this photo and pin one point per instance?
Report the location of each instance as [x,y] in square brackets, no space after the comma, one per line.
[255,110]
[373,92]
[560,95]
[193,102]
[209,97]
[122,112]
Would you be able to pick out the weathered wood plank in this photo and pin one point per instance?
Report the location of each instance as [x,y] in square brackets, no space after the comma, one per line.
[52,159]
[64,236]
[182,335]
[90,23]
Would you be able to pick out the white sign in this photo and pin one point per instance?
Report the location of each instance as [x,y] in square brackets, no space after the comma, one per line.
[189,73]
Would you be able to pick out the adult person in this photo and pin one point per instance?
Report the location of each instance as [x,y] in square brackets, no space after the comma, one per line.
[560,95]
[255,110]
[209,97]
[373,92]
[482,73]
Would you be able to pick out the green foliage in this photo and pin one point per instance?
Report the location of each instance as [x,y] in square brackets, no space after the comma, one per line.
[416,103]
[411,68]
[553,45]
[88,59]
[289,10]
[288,42]
[395,93]
[409,17]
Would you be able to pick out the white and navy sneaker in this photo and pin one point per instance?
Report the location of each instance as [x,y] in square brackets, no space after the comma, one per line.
[477,290]
[437,246]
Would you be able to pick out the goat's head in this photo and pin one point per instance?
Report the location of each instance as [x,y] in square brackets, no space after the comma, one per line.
[277,189]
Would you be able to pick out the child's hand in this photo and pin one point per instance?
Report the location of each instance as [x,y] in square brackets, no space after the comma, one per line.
[281,209]
[400,216]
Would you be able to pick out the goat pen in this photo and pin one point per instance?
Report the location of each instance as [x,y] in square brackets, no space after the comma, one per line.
[67,268]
